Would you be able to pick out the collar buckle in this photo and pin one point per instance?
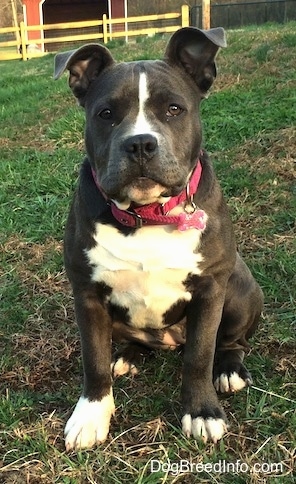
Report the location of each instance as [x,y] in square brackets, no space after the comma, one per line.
[137,219]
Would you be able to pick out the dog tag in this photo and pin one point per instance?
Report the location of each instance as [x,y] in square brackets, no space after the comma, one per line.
[194,220]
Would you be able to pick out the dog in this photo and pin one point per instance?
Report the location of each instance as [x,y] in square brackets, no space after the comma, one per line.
[149,245]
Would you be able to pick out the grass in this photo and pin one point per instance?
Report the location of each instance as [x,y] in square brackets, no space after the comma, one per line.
[249,127]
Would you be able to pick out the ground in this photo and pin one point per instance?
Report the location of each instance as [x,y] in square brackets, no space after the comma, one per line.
[249,129]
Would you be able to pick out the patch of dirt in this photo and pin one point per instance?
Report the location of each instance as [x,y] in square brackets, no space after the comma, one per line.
[48,346]
[274,153]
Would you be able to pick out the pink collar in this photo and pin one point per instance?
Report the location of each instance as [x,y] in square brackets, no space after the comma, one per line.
[156,213]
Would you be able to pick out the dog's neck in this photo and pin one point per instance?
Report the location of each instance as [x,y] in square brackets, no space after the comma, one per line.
[159,214]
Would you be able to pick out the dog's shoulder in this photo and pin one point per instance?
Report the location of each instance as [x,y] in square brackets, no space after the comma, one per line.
[209,195]
[91,198]
[209,189]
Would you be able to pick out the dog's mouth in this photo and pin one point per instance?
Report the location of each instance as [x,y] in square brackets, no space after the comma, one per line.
[143,183]
[143,191]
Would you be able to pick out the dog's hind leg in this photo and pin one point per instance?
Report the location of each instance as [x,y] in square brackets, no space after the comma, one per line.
[230,374]
[141,343]
[127,360]
[243,306]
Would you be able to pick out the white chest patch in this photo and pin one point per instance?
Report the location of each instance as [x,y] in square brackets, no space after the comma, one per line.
[145,270]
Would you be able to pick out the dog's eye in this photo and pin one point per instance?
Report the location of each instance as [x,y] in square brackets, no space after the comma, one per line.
[174,110]
[105,114]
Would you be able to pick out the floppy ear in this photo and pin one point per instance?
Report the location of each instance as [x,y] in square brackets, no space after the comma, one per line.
[194,50]
[85,65]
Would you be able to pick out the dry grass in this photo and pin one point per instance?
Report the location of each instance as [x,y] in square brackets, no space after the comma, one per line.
[40,349]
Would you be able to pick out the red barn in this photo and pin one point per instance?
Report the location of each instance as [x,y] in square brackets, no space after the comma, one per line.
[39,12]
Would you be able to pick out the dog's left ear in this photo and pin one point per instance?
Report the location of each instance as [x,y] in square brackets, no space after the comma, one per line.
[195,50]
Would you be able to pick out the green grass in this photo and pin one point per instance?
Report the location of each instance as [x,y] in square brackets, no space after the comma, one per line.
[249,127]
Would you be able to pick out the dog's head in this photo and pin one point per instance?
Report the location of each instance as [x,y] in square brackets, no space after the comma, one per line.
[143,132]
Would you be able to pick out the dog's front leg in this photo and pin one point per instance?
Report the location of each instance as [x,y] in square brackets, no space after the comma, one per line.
[203,416]
[89,423]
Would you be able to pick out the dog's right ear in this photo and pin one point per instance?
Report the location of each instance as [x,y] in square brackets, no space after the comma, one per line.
[84,64]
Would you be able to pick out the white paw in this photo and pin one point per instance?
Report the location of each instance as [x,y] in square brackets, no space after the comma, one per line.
[89,423]
[232,383]
[205,429]
[122,367]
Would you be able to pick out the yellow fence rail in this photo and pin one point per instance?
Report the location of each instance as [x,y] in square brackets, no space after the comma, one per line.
[105,30]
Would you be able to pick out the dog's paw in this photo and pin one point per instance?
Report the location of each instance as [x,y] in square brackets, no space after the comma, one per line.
[122,367]
[233,382]
[89,423]
[206,429]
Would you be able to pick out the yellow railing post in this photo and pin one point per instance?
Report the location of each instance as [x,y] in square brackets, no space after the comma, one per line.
[185,15]
[105,29]
[206,14]
[23,41]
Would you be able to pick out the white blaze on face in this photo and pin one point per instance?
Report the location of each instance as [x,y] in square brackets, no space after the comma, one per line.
[142,124]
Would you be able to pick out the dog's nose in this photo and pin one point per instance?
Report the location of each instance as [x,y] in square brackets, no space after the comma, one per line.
[141,147]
